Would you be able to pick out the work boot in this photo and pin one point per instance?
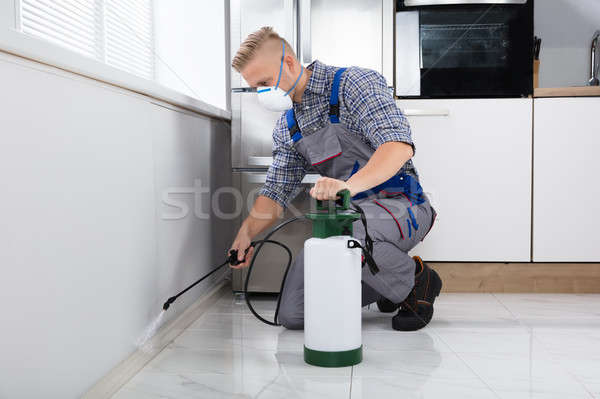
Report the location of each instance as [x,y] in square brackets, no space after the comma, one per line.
[416,310]
[387,306]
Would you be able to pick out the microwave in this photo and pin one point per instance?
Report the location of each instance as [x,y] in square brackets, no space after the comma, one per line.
[463,48]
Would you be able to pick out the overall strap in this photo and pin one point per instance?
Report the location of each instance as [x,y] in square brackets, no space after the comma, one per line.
[334,107]
[290,117]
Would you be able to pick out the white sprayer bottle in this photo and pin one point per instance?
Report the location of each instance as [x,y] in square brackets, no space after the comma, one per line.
[332,287]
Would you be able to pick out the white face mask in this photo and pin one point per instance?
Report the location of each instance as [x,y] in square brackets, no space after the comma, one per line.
[273,97]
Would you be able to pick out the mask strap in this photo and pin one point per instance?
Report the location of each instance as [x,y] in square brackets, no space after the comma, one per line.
[280,65]
[296,82]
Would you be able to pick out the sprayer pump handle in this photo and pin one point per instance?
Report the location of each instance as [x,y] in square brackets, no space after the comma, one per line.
[341,203]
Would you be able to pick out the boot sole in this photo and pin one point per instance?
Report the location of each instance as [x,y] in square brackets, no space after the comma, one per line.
[413,322]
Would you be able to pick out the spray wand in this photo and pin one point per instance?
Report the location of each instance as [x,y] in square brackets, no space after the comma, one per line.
[232,260]
[149,332]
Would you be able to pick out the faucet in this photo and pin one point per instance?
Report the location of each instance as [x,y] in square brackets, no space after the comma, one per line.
[595,60]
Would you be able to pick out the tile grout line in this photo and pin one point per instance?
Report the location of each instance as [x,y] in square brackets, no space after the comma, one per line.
[465,363]
[532,185]
[549,353]
[461,359]
[351,378]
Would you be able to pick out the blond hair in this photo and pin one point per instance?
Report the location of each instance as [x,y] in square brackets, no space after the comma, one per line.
[253,43]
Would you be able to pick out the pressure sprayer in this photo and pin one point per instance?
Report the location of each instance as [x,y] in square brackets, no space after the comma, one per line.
[332,274]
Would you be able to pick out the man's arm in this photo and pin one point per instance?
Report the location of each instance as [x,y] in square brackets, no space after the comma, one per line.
[367,98]
[385,162]
[264,213]
[283,178]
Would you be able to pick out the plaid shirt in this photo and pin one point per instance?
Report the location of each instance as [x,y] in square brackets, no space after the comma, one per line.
[367,110]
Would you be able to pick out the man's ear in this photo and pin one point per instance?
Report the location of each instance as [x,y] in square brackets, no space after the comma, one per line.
[291,63]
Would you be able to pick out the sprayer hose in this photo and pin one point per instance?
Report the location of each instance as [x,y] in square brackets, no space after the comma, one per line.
[261,242]
[287,268]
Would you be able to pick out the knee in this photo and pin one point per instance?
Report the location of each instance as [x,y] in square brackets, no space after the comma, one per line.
[290,322]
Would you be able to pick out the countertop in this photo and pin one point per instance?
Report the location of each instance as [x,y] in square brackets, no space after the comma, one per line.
[574,91]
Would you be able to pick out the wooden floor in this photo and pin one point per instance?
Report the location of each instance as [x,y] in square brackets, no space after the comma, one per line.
[519,277]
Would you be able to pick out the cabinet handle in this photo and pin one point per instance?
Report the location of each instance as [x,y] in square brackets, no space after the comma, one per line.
[304,31]
[260,161]
[425,112]
[243,89]
[309,178]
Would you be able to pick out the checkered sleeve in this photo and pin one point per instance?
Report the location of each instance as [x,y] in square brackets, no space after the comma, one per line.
[287,169]
[368,99]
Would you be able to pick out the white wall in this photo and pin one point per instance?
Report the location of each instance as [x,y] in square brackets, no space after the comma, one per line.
[190,48]
[86,257]
[566,28]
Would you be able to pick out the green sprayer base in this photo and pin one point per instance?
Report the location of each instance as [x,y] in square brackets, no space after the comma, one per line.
[333,359]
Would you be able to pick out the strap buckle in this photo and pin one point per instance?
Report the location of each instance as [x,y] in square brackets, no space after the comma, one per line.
[334,109]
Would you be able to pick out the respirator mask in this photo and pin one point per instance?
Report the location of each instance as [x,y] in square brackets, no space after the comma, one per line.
[274,98]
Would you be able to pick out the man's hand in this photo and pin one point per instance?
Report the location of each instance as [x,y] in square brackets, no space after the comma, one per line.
[326,188]
[241,243]
[263,214]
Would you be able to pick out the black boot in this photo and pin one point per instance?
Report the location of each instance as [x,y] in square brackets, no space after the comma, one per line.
[417,309]
[387,306]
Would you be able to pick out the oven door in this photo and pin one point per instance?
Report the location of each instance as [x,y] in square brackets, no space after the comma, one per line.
[464,48]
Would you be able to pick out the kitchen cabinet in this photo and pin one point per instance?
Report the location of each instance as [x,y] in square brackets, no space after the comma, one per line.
[473,157]
[566,210]
[91,246]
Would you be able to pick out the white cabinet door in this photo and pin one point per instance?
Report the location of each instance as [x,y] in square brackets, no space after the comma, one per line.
[566,188]
[474,161]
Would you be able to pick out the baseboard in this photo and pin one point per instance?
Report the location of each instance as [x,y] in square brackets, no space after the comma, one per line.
[124,371]
[572,278]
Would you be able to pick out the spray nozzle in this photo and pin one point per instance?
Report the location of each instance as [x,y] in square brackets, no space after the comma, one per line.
[169,302]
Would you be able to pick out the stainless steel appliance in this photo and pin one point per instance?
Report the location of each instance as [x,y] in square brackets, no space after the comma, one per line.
[336,32]
[464,48]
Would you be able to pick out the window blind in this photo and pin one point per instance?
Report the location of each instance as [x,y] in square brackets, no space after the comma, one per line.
[116,32]
[128,35]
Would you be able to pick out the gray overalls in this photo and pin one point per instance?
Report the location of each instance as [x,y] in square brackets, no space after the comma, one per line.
[399,214]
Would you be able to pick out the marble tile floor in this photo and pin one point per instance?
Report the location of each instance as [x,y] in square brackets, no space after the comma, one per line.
[476,346]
